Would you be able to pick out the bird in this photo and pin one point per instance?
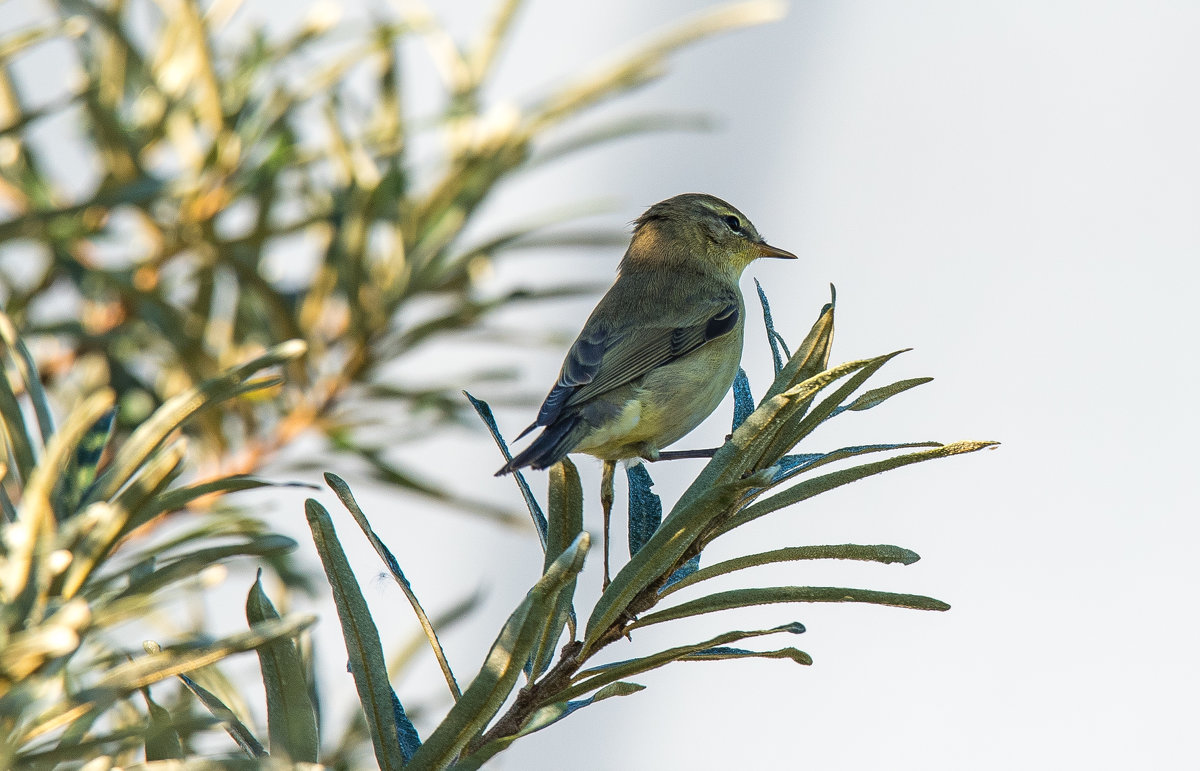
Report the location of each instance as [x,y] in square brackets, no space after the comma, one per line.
[662,347]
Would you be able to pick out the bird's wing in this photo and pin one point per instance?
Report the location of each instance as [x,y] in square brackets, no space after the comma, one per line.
[604,358]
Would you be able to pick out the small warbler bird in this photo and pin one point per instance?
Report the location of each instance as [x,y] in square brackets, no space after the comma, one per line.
[661,349]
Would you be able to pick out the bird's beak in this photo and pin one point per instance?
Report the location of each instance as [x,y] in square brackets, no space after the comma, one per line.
[766,250]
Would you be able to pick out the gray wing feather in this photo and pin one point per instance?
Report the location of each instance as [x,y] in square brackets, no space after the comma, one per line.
[628,354]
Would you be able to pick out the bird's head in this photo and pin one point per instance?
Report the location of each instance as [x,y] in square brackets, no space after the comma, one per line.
[697,229]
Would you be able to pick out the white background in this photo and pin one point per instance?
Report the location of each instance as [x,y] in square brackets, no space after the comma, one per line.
[1010,188]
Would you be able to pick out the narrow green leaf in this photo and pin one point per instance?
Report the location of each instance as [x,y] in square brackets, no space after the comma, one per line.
[849,551]
[179,497]
[565,525]
[792,466]
[488,691]
[172,569]
[645,507]
[344,494]
[29,373]
[40,486]
[742,598]
[535,511]
[236,729]
[162,742]
[826,482]
[779,348]
[83,466]
[149,480]
[101,524]
[19,439]
[812,356]
[596,677]
[743,399]
[291,718]
[749,443]
[877,396]
[367,664]
[724,654]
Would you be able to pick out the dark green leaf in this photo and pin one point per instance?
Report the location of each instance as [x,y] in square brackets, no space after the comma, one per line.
[742,598]
[779,349]
[724,654]
[645,508]
[743,399]
[793,465]
[535,511]
[565,525]
[162,741]
[362,640]
[884,554]
[339,486]
[291,718]
[82,471]
[229,721]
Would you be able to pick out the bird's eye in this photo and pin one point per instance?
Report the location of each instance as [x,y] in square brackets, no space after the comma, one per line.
[733,223]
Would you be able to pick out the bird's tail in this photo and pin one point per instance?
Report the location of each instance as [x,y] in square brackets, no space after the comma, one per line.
[550,446]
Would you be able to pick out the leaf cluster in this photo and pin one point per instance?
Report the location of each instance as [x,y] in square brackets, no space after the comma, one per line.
[755,473]
[75,564]
[252,189]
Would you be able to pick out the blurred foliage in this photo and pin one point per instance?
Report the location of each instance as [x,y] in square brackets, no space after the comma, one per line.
[77,565]
[239,190]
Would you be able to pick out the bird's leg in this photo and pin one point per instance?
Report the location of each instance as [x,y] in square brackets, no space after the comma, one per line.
[683,454]
[606,503]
